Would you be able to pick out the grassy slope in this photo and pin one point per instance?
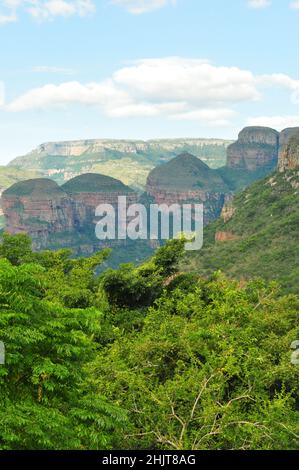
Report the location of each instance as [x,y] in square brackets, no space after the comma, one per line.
[267,224]
[11,175]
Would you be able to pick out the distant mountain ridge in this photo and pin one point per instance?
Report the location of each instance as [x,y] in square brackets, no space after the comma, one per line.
[64,216]
[127,160]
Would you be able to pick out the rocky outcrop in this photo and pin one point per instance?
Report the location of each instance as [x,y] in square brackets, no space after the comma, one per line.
[256,148]
[225,236]
[228,210]
[186,179]
[90,190]
[289,149]
[45,210]
[38,206]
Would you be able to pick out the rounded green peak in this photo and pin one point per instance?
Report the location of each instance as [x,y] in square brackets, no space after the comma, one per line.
[37,188]
[94,183]
[186,172]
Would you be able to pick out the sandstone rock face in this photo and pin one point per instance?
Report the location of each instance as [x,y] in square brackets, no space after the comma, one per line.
[285,136]
[225,237]
[228,210]
[41,208]
[256,148]
[90,190]
[185,180]
[37,206]
[289,149]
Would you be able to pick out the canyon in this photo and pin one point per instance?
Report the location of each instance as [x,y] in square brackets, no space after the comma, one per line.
[58,216]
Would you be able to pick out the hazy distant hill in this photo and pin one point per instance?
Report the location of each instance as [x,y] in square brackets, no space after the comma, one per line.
[128,160]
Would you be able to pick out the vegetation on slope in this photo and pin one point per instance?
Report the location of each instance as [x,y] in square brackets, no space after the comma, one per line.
[266,228]
[94,183]
[187,172]
[38,188]
[142,357]
[10,175]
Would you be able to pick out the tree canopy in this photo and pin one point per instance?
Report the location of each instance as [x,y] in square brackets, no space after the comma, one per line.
[142,357]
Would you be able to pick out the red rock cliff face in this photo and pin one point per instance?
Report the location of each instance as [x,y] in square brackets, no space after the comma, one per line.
[256,147]
[212,202]
[186,180]
[38,207]
[289,149]
[85,204]
[41,208]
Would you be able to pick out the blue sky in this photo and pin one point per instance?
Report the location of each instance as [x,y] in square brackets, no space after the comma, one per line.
[144,69]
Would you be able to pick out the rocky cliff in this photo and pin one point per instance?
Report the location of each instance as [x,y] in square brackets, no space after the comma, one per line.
[66,215]
[254,155]
[186,179]
[289,149]
[38,207]
[256,147]
[90,190]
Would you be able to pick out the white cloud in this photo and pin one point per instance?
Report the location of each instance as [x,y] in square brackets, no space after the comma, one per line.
[52,8]
[175,87]
[276,122]
[143,6]
[294,5]
[279,79]
[102,94]
[186,80]
[45,9]
[49,9]
[187,89]
[259,3]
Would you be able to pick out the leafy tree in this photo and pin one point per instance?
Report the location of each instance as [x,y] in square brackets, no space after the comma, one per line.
[16,248]
[139,286]
[46,398]
[67,281]
[196,364]
[210,370]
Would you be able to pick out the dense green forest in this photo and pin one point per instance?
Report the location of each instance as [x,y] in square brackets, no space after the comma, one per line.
[142,357]
[263,231]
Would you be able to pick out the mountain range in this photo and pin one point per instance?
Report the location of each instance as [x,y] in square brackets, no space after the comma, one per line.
[63,216]
[128,160]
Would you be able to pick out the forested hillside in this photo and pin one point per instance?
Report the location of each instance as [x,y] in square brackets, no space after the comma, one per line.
[142,357]
[257,236]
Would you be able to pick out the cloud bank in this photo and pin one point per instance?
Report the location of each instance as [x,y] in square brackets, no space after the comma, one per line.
[174,87]
[44,9]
